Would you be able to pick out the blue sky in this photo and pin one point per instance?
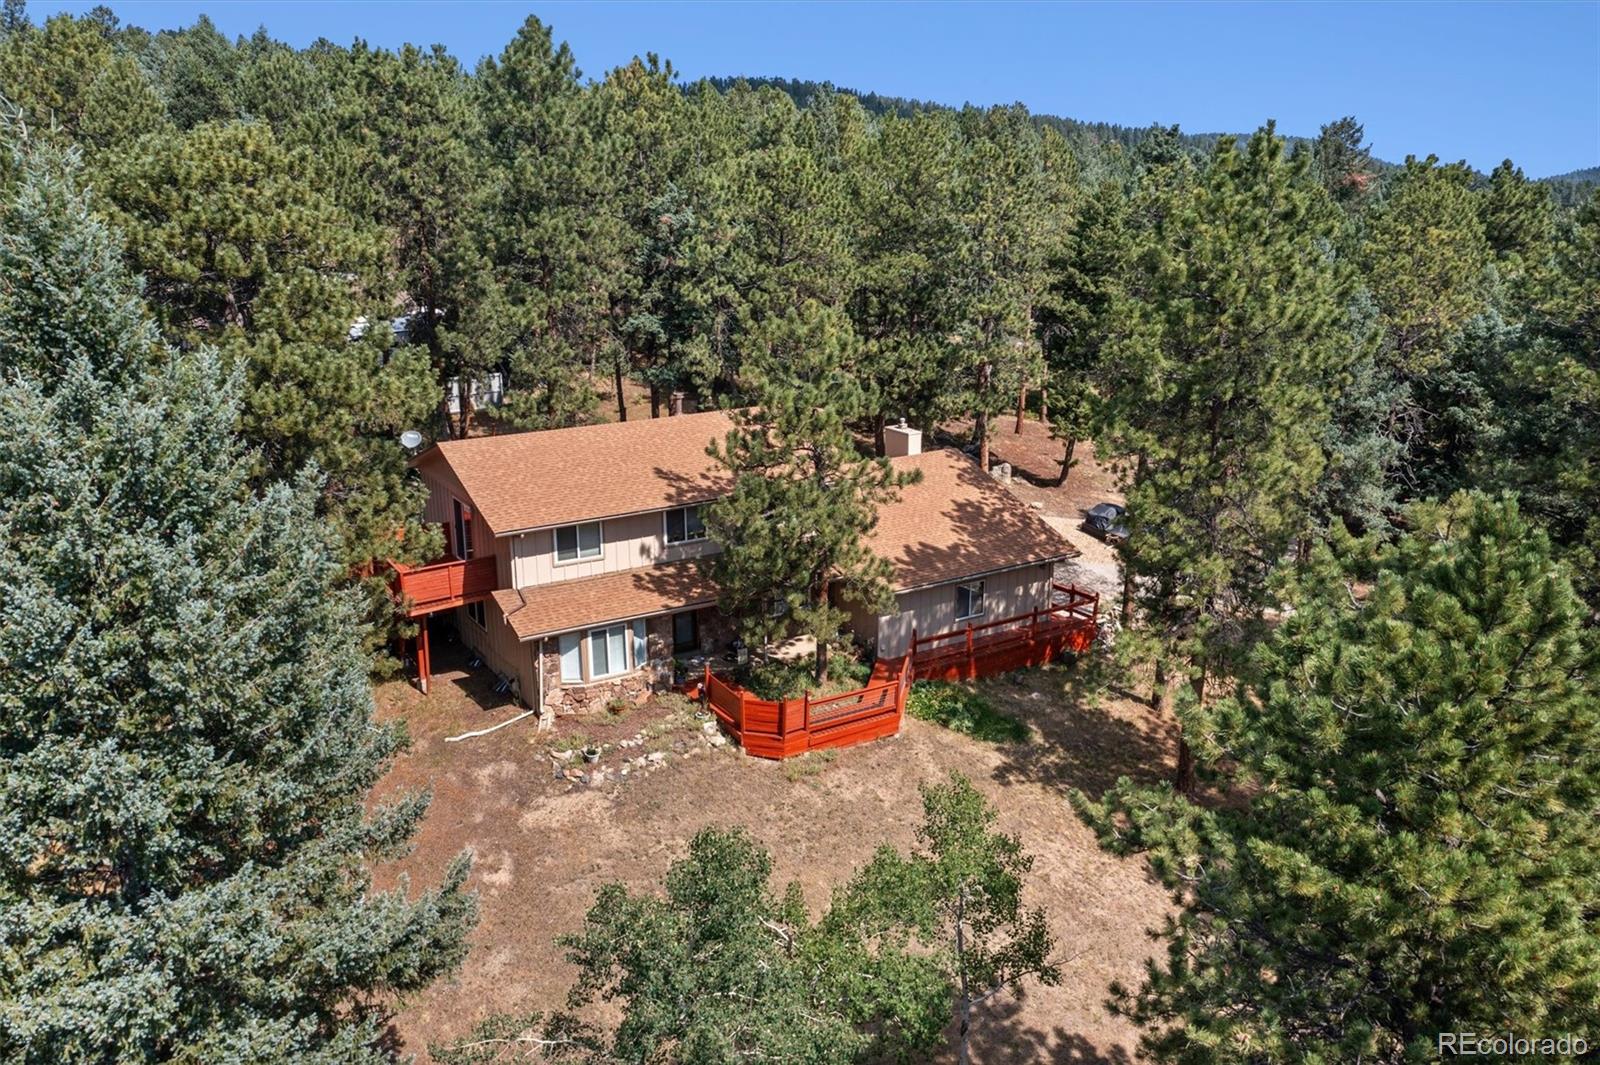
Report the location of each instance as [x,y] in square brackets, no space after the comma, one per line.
[1479,81]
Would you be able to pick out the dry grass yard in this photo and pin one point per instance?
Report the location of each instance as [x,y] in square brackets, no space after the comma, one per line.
[543,844]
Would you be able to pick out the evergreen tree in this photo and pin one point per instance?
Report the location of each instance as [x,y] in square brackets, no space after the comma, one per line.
[554,257]
[185,712]
[1088,274]
[1344,162]
[904,209]
[46,71]
[239,251]
[1518,220]
[421,178]
[1415,755]
[1011,215]
[1424,257]
[1545,380]
[804,499]
[1230,350]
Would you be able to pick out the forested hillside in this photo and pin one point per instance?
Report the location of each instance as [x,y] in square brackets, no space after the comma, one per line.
[573,233]
[1354,408]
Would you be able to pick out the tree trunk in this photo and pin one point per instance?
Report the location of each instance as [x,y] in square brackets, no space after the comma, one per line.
[980,418]
[1066,461]
[1022,406]
[963,1053]
[879,423]
[1044,405]
[464,406]
[1184,778]
[622,402]
[655,400]
[821,675]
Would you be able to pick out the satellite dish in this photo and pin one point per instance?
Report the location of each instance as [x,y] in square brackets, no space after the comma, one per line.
[411,438]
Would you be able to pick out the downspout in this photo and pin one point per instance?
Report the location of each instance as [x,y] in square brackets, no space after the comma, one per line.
[538,699]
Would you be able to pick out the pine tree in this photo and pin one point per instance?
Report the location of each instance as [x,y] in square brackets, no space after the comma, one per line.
[46,71]
[1343,162]
[804,499]
[1009,220]
[239,251]
[420,175]
[1518,220]
[185,714]
[554,257]
[1226,353]
[1415,756]
[1424,258]
[1088,272]
[1545,380]
[904,209]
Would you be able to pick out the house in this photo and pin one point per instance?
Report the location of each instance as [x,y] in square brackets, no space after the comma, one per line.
[573,553]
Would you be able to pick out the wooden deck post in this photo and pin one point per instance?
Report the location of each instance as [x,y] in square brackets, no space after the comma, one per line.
[972,662]
[423,664]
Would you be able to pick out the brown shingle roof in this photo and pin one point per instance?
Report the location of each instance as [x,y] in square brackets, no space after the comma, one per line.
[521,481]
[546,609]
[958,522]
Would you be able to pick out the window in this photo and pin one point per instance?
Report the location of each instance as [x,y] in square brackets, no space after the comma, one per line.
[969,600]
[463,530]
[608,651]
[578,541]
[571,659]
[685,632]
[641,646]
[684,525]
[475,612]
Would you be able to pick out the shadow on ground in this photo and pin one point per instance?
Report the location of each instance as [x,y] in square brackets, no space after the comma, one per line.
[1091,733]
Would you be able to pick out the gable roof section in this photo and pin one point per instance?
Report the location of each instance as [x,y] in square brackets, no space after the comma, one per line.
[522,481]
[957,522]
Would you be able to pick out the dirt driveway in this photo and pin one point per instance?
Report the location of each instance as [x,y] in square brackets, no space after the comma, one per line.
[543,845]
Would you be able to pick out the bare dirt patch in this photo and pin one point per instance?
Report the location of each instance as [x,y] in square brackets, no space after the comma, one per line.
[1035,458]
[544,845]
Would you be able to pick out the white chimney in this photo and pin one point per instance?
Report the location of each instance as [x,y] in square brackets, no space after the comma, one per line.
[901,440]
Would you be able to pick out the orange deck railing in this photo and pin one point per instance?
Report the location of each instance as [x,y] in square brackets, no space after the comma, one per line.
[1069,624]
[442,585]
[784,728]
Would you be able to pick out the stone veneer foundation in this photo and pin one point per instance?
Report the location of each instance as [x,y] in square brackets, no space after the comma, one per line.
[636,687]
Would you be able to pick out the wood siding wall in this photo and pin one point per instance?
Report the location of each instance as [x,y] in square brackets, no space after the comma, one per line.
[931,610]
[501,650]
[625,543]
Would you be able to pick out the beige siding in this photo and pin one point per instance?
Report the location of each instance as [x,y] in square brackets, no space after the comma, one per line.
[499,647]
[436,510]
[625,543]
[933,610]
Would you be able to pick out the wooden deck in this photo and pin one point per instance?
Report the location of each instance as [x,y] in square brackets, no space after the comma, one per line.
[1068,626]
[789,727]
[443,585]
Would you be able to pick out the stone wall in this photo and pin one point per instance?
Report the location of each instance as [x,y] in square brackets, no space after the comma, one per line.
[635,686]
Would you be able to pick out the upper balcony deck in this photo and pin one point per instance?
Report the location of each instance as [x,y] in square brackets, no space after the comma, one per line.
[444,585]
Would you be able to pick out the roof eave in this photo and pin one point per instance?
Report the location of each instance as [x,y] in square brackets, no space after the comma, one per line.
[976,574]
